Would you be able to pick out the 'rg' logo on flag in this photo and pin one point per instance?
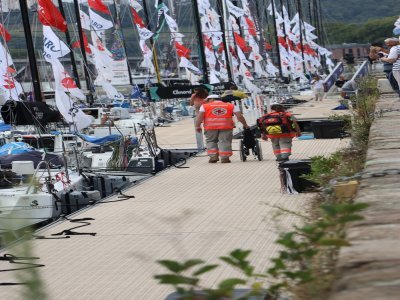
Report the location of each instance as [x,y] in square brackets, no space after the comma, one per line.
[219,111]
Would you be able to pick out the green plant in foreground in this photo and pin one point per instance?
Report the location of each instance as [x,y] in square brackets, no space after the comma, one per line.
[345,118]
[291,267]
[185,278]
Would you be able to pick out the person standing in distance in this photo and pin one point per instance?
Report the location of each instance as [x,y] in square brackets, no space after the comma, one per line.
[281,127]
[218,124]
[197,99]
[318,88]
[393,58]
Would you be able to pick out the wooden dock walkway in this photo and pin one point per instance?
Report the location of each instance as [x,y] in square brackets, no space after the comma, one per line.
[203,211]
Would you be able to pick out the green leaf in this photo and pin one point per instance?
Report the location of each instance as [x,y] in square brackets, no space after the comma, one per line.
[333,242]
[288,241]
[247,269]
[329,209]
[176,279]
[230,283]
[310,253]
[190,263]
[308,229]
[354,207]
[279,264]
[350,218]
[303,276]
[240,254]
[171,265]
[229,261]
[204,269]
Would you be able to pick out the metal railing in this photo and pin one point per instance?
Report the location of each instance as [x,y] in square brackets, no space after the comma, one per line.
[352,85]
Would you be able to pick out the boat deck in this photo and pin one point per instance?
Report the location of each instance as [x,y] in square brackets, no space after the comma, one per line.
[202,211]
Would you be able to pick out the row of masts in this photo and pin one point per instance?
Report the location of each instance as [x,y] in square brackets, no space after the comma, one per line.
[313,10]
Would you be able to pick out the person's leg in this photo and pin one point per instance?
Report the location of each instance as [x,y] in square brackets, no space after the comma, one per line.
[315,96]
[225,145]
[212,144]
[276,148]
[320,94]
[396,75]
[286,147]
[393,82]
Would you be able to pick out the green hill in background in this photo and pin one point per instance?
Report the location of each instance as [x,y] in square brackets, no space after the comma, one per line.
[373,31]
[358,11]
[359,21]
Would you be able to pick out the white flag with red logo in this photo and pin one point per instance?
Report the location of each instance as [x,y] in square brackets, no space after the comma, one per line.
[10,87]
[64,81]
[5,60]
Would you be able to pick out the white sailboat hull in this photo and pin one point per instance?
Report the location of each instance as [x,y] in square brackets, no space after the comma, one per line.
[19,210]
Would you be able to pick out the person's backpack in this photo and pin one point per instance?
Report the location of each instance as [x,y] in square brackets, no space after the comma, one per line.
[275,123]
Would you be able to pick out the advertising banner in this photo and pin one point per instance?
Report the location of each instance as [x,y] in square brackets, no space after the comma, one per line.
[184,91]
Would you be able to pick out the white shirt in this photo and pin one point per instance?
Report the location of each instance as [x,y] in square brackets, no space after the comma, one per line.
[318,84]
[395,53]
[235,109]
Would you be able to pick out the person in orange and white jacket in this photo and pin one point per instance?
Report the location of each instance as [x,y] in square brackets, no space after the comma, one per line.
[217,119]
[281,127]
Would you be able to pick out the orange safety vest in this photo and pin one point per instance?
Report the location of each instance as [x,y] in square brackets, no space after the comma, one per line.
[218,116]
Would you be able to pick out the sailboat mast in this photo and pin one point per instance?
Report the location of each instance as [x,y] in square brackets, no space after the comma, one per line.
[316,20]
[288,9]
[258,18]
[201,41]
[301,32]
[276,37]
[31,51]
[321,32]
[71,53]
[83,50]
[146,15]
[221,12]
[283,16]
[119,24]
[310,13]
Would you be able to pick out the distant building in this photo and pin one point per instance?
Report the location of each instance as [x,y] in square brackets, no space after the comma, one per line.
[341,51]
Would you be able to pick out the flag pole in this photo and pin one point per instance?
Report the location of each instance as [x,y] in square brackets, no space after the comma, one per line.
[89,86]
[71,53]
[157,70]
[301,33]
[276,38]
[221,12]
[119,24]
[201,41]
[31,51]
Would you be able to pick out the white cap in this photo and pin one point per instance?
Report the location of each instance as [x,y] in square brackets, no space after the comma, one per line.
[213,96]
